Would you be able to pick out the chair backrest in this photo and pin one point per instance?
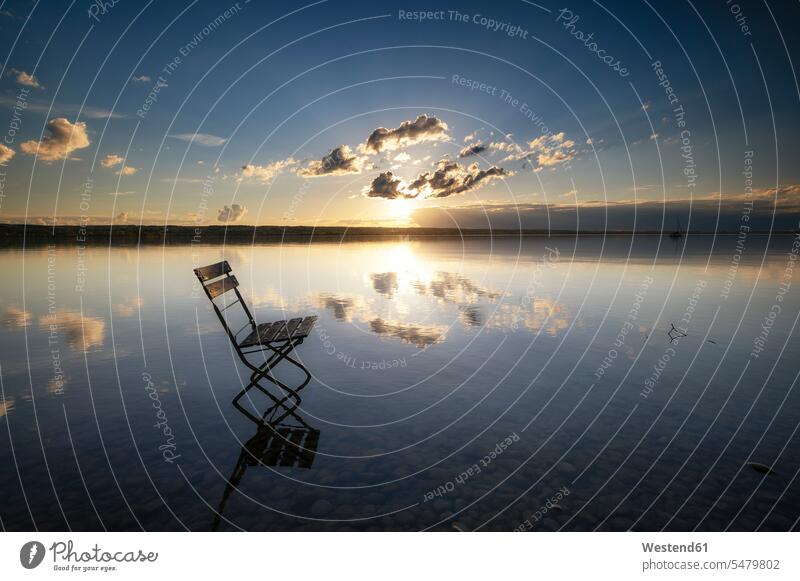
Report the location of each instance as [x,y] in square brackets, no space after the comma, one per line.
[217,280]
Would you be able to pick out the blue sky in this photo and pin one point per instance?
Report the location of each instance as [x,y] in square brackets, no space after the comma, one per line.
[278,87]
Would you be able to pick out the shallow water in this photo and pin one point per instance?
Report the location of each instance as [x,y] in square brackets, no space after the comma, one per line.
[473,384]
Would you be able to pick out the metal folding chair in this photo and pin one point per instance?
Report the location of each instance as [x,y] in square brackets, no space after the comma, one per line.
[277,339]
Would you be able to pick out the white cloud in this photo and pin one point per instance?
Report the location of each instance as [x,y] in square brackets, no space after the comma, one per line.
[111,160]
[141,79]
[205,139]
[265,173]
[423,128]
[64,138]
[127,171]
[6,153]
[25,79]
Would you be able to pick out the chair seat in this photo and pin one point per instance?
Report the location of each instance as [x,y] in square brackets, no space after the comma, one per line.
[279,331]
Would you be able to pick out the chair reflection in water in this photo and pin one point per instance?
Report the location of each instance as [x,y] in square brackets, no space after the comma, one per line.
[282,439]
[273,341]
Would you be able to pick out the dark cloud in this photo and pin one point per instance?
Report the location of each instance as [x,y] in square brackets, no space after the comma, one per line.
[339,161]
[473,149]
[705,215]
[423,128]
[385,283]
[452,178]
[388,187]
[449,178]
[232,213]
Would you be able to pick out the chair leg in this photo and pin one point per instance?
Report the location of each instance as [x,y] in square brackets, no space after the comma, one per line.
[265,371]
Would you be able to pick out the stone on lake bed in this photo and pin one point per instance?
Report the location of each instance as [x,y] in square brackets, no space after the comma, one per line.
[761,468]
[320,508]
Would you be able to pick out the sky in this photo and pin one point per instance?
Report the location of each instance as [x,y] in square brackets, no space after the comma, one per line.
[587,115]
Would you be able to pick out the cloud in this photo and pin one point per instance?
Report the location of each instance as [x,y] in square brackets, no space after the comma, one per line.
[204,139]
[37,106]
[452,178]
[699,215]
[6,153]
[16,317]
[81,331]
[25,79]
[388,187]
[449,178]
[265,173]
[339,161]
[127,171]
[469,137]
[232,213]
[545,151]
[121,218]
[141,79]
[472,149]
[65,137]
[385,283]
[129,308]
[418,335]
[423,128]
[112,160]
[402,157]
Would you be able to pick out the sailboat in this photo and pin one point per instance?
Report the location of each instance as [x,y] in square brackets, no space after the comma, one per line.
[679,232]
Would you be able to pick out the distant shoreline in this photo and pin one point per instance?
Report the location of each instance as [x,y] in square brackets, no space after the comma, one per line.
[37,235]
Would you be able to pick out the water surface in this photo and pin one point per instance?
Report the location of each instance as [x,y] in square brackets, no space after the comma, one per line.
[456,384]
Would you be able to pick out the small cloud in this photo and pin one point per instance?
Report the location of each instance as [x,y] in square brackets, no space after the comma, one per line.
[120,193]
[16,317]
[423,128]
[388,187]
[232,213]
[25,79]
[141,79]
[265,173]
[654,136]
[127,171]
[129,308]
[469,137]
[473,149]
[645,105]
[341,160]
[6,153]
[111,160]
[402,157]
[204,139]
[64,138]
[121,218]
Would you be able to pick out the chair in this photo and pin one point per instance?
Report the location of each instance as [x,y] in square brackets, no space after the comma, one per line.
[278,339]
